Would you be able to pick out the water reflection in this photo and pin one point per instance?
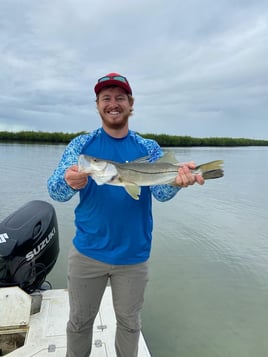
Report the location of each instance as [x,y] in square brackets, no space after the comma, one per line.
[208,292]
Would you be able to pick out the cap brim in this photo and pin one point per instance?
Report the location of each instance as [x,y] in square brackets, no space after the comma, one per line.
[112,82]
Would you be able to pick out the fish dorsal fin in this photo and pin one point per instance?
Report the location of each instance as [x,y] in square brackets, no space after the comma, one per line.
[169,158]
[141,160]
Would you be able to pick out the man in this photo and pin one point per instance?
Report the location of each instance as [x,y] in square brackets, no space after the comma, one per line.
[113,231]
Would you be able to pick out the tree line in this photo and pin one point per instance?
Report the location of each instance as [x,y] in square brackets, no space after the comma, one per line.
[164,140]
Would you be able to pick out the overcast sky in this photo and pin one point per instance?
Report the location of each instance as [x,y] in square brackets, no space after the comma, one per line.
[197,68]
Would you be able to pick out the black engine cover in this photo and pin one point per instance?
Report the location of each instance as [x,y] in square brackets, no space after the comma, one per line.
[29,245]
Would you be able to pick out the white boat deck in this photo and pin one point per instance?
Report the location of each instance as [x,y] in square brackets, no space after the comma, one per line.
[45,330]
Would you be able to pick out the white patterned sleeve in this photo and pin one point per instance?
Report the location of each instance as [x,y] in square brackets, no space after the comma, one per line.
[58,188]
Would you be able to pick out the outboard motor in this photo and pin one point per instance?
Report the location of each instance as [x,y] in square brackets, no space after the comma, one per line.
[29,246]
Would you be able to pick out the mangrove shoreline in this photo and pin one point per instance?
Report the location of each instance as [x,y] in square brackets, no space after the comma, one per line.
[164,140]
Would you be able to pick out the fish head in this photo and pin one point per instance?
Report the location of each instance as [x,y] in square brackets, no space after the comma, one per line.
[100,170]
[90,164]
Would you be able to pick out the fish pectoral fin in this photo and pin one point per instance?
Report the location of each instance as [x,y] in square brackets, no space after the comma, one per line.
[133,190]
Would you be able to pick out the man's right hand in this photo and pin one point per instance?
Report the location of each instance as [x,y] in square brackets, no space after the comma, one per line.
[75,179]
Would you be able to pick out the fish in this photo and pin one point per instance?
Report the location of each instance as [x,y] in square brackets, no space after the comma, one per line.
[135,174]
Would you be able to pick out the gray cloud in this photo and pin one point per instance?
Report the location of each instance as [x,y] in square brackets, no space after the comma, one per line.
[196,68]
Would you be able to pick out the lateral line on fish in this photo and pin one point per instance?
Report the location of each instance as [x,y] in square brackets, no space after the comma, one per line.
[139,170]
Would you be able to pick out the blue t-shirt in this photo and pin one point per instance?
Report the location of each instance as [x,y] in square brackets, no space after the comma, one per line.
[111,226]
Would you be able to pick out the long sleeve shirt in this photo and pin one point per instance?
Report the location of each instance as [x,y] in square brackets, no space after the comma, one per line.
[111,226]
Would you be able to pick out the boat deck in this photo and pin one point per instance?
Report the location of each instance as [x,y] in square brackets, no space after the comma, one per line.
[45,333]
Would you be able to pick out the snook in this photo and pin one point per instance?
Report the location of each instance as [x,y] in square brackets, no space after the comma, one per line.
[132,175]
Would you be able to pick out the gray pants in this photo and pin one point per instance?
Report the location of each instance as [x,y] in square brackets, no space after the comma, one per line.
[87,280]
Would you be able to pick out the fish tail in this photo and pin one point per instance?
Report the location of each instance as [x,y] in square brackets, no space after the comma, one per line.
[211,170]
[212,174]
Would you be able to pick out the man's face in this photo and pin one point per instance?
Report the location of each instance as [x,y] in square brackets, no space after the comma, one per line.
[114,107]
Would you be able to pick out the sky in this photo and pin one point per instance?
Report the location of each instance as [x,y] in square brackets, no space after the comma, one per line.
[197,68]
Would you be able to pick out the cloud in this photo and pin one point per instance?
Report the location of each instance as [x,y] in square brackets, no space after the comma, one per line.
[196,68]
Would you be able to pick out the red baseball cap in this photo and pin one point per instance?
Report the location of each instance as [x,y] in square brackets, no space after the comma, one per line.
[113,79]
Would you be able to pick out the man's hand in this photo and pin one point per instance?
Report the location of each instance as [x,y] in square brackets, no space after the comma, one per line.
[185,176]
[76,180]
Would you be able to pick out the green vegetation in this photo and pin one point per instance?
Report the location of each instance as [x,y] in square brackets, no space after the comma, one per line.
[164,140]
[37,137]
[183,141]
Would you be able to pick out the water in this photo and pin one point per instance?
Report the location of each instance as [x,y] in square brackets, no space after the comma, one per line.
[208,289]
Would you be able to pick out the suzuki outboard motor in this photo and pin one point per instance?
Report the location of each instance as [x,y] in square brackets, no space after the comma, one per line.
[29,246]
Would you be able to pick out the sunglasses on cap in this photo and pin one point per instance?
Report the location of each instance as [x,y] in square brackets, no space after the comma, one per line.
[116,78]
[113,79]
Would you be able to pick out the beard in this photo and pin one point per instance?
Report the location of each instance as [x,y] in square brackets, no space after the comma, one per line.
[116,123]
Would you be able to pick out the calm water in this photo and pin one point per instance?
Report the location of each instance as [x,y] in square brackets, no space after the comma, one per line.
[208,292]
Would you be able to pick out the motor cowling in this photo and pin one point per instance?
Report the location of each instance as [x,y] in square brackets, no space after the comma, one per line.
[29,245]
